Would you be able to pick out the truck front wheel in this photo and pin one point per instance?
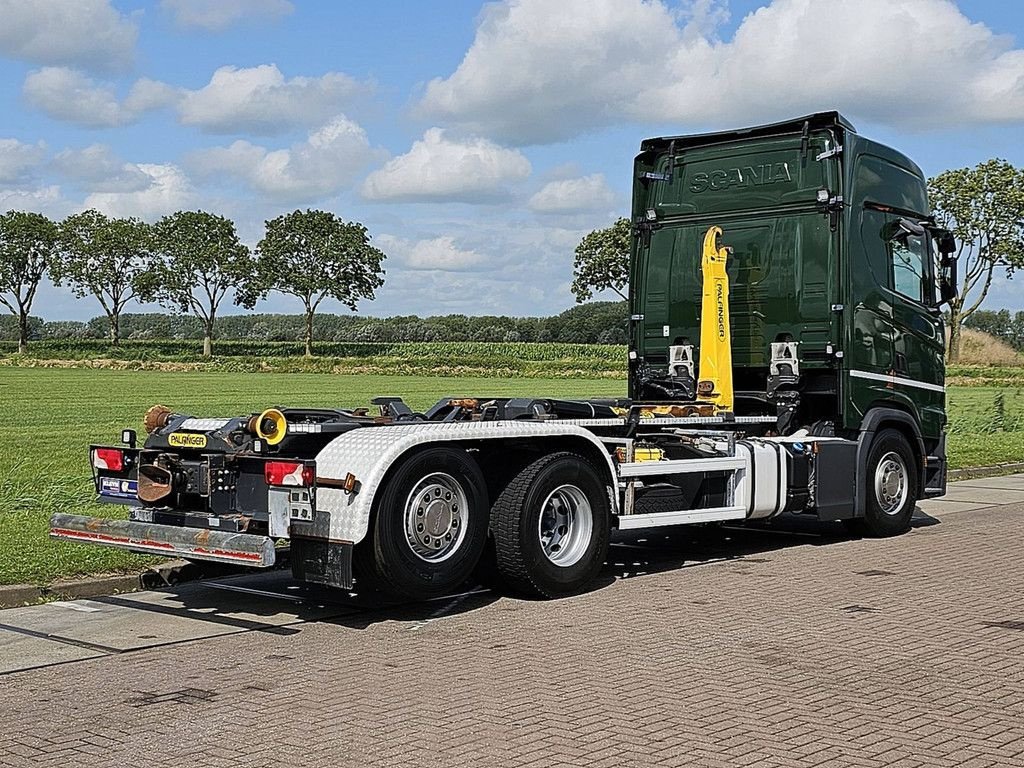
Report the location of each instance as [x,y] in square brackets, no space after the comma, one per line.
[428,528]
[551,526]
[891,492]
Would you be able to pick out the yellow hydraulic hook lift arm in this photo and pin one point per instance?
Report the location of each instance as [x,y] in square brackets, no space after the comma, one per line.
[715,383]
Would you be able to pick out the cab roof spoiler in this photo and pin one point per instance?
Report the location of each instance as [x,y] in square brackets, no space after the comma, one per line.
[817,121]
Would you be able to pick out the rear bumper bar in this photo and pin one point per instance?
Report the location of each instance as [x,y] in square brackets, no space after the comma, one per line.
[167,540]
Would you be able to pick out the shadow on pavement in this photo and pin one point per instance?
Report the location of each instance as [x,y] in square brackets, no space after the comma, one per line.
[249,601]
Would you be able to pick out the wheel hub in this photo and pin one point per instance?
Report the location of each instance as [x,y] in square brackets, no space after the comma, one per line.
[437,520]
[891,486]
[434,517]
[566,525]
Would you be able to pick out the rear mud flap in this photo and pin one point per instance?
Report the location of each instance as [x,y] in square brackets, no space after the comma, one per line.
[322,562]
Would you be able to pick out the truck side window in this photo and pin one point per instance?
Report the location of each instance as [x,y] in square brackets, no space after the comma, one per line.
[908,258]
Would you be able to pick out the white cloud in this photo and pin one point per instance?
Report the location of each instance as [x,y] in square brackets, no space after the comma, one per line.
[170,190]
[70,95]
[255,100]
[97,168]
[46,200]
[146,95]
[18,160]
[260,100]
[586,193]
[525,266]
[85,33]
[217,15]
[539,72]
[324,163]
[438,253]
[438,168]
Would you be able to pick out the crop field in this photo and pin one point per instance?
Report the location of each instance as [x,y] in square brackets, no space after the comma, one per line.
[448,358]
[51,415]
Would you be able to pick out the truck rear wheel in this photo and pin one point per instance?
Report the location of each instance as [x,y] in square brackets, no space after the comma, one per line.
[428,527]
[891,492]
[551,526]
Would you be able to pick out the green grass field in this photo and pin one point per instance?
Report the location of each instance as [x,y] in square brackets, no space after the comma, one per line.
[50,416]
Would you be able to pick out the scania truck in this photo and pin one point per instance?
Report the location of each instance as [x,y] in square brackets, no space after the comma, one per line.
[785,357]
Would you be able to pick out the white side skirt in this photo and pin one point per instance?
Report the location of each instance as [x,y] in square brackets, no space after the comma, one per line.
[657,519]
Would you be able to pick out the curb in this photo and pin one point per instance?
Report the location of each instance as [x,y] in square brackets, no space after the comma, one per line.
[971,473]
[166,574]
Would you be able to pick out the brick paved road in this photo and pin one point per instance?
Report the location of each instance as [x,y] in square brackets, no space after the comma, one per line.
[791,648]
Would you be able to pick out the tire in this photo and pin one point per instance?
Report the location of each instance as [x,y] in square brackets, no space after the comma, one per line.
[551,526]
[891,485]
[417,549]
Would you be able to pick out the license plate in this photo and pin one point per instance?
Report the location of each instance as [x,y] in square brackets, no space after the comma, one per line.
[186,440]
[122,489]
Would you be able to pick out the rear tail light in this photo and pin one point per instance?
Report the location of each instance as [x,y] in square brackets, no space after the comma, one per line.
[287,473]
[108,458]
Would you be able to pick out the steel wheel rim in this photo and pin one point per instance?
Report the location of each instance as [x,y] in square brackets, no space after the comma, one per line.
[565,526]
[891,483]
[435,517]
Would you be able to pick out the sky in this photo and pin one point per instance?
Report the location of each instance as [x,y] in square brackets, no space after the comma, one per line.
[477,142]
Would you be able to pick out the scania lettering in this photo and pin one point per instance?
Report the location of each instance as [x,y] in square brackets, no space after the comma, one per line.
[740,177]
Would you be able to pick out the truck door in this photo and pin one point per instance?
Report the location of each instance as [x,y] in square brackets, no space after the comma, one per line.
[871,348]
[896,352]
[918,334]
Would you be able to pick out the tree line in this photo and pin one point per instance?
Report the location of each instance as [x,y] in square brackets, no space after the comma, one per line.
[188,262]
[1001,323]
[596,322]
[191,261]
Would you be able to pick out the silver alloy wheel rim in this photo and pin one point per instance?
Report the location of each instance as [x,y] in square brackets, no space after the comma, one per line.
[435,517]
[891,486]
[566,525]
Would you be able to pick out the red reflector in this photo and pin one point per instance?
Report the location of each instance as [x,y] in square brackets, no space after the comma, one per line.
[287,473]
[108,458]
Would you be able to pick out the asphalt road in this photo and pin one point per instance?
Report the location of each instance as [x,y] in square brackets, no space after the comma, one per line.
[786,646]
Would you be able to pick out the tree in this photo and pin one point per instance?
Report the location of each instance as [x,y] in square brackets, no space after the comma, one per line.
[602,261]
[314,255]
[104,258]
[197,259]
[984,209]
[27,243]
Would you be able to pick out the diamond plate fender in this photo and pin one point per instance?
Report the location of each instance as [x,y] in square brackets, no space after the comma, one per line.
[369,452]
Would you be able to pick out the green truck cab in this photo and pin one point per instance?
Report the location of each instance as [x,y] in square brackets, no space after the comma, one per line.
[837,275]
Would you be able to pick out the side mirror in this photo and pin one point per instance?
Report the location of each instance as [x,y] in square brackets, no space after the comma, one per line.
[947,265]
[907,227]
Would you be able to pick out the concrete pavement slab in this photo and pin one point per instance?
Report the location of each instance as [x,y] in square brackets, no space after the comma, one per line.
[945,506]
[188,612]
[113,628]
[145,619]
[20,651]
[988,495]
